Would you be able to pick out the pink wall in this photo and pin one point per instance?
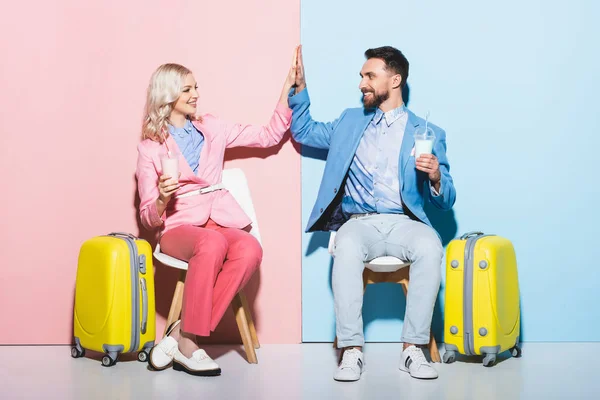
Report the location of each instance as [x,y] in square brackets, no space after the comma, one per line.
[73,79]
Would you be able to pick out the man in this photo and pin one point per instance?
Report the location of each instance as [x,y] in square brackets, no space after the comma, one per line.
[372,193]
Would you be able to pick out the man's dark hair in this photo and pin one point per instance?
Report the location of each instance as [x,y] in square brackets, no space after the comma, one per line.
[393,58]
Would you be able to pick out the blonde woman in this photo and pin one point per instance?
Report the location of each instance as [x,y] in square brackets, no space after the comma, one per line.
[206,230]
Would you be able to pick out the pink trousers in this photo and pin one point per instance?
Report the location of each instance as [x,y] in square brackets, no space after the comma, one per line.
[220,262]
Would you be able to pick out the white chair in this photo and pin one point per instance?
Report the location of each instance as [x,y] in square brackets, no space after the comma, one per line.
[235,182]
[388,269]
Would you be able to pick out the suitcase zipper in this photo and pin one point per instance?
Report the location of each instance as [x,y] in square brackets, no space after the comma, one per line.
[469,339]
[468,296]
[135,290]
[135,301]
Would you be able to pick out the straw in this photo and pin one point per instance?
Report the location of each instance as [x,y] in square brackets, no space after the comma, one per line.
[426,122]
[165,141]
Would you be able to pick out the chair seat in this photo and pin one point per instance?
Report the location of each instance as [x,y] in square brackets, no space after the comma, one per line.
[386,264]
[379,264]
[168,260]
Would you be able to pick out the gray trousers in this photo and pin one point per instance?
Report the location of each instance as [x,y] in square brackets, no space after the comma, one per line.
[365,238]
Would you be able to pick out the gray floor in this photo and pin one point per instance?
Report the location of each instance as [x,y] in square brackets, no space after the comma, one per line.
[546,371]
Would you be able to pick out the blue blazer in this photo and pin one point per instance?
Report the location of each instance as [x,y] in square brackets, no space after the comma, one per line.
[341,137]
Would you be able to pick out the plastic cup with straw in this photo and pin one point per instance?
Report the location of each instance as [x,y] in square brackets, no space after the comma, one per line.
[424,139]
[170,162]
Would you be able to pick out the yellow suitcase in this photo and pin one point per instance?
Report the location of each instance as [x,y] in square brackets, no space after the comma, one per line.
[114,298]
[482,312]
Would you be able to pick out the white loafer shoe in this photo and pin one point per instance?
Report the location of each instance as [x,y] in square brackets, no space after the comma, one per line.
[161,355]
[200,364]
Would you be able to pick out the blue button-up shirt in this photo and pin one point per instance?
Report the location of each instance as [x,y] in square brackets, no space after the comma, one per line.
[190,141]
[373,183]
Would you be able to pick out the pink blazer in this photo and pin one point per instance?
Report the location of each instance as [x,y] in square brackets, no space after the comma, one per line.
[219,205]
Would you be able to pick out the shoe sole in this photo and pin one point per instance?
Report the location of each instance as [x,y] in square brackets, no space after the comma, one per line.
[346,380]
[418,377]
[207,372]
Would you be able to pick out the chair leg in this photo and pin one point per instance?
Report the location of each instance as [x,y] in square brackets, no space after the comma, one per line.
[242,323]
[246,308]
[433,350]
[404,288]
[177,302]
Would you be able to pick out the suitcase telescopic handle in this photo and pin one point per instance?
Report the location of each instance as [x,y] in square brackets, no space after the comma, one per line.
[470,234]
[129,235]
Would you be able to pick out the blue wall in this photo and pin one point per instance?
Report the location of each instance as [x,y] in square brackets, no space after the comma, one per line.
[515,85]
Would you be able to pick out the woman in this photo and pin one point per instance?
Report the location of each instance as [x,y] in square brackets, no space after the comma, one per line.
[204,229]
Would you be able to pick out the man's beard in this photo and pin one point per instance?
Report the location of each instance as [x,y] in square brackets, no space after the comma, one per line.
[375,99]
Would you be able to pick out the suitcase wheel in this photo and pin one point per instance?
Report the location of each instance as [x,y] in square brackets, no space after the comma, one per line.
[142,356]
[489,360]
[77,353]
[108,361]
[516,351]
[449,356]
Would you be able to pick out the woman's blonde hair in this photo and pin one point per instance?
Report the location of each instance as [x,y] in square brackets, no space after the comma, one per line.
[164,89]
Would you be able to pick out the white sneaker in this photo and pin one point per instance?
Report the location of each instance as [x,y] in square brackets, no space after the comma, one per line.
[351,366]
[200,364]
[161,355]
[414,362]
